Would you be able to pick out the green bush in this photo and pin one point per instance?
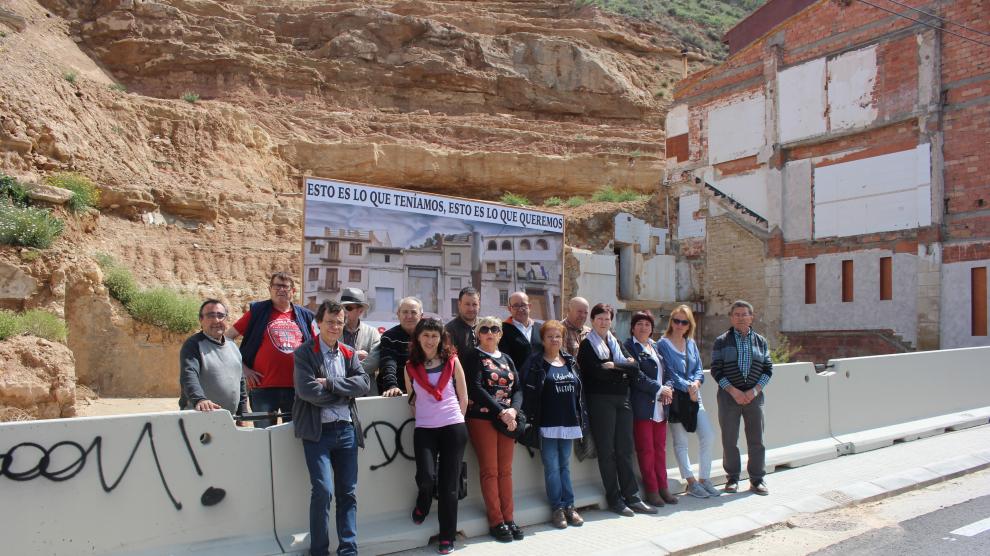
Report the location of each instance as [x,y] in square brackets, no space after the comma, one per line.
[166,308]
[118,87]
[118,280]
[13,190]
[575,201]
[84,193]
[34,322]
[510,198]
[190,97]
[28,226]
[608,194]
[784,352]
[8,324]
[70,76]
[553,202]
[43,325]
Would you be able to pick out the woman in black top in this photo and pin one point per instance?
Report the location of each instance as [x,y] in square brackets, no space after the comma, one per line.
[552,402]
[494,393]
[607,371]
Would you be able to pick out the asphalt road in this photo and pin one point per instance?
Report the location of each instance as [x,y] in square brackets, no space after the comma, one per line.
[962,529]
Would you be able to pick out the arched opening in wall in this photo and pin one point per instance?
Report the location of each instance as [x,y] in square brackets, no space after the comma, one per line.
[524,245]
[541,245]
[492,245]
[506,245]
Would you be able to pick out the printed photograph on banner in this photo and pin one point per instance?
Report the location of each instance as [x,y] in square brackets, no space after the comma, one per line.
[394,243]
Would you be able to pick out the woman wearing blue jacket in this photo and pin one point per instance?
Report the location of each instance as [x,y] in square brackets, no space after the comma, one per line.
[649,397]
[683,364]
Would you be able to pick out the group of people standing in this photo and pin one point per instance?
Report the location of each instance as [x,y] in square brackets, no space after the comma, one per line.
[559,386]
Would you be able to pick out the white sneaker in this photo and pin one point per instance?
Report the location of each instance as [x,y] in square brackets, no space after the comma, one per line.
[710,488]
[698,491]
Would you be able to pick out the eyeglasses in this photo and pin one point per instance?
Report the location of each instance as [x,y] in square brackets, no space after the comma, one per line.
[489,329]
[350,308]
[217,316]
[680,322]
[519,306]
[279,287]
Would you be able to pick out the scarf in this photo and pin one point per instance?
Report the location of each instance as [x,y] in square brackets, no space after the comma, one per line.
[418,374]
[604,346]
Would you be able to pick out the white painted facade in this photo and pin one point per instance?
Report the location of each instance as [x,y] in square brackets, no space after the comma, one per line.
[876,194]
[687,224]
[748,189]
[598,279]
[801,101]
[677,120]
[736,129]
[851,79]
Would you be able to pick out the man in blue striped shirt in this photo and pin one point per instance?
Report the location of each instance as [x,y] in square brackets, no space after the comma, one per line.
[742,367]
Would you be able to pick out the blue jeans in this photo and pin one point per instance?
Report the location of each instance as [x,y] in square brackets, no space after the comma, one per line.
[272,399]
[556,455]
[336,448]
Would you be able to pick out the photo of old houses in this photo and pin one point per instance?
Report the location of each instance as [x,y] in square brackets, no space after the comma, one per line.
[391,254]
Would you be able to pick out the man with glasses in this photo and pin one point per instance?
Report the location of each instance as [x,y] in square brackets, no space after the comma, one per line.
[395,348]
[520,334]
[272,331]
[210,367]
[328,377]
[741,364]
[461,327]
[362,337]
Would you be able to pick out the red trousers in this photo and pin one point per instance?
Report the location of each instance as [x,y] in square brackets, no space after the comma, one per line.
[651,451]
[494,452]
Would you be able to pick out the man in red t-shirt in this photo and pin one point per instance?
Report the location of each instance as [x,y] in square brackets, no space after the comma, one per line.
[272,330]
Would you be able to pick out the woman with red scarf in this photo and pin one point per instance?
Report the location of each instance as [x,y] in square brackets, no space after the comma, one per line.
[438,396]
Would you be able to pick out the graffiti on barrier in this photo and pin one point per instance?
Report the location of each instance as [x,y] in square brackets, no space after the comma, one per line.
[12,465]
[396,437]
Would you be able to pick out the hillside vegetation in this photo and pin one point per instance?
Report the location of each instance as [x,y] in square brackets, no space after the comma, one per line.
[714,16]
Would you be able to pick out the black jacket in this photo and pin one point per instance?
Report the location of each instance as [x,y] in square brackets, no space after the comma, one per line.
[536,375]
[516,346]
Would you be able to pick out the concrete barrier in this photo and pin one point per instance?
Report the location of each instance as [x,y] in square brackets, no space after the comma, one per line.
[796,423]
[387,488]
[135,484]
[192,482]
[876,401]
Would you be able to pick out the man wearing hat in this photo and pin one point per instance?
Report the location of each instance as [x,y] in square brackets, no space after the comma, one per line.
[360,336]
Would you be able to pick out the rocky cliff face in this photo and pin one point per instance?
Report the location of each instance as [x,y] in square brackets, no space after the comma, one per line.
[466,98]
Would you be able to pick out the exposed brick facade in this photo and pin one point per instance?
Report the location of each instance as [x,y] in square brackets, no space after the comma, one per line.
[930,93]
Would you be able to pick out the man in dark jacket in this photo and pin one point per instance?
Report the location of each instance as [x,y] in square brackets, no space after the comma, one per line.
[395,348]
[520,334]
[328,376]
[461,327]
[742,367]
[272,331]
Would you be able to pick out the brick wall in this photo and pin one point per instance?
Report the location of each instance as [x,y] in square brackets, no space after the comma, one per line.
[820,346]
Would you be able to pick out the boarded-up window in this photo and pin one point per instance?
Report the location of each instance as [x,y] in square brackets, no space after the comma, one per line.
[886,278]
[847,281]
[677,147]
[979,296]
[809,283]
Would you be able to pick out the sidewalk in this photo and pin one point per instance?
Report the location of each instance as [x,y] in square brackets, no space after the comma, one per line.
[695,524]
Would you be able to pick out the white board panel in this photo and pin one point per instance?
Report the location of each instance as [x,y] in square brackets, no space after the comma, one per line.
[677,120]
[736,130]
[801,93]
[747,189]
[687,226]
[876,194]
[851,79]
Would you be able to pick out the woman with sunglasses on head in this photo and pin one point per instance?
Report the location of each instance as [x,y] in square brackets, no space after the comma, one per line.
[683,365]
[650,398]
[552,402]
[607,371]
[438,395]
[494,394]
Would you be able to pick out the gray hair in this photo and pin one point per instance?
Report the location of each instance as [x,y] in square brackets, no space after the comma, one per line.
[741,303]
[487,321]
[411,300]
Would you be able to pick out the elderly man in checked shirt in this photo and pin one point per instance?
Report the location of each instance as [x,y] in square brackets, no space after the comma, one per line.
[741,365]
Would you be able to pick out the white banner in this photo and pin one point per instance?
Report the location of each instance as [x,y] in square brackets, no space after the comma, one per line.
[424,203]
